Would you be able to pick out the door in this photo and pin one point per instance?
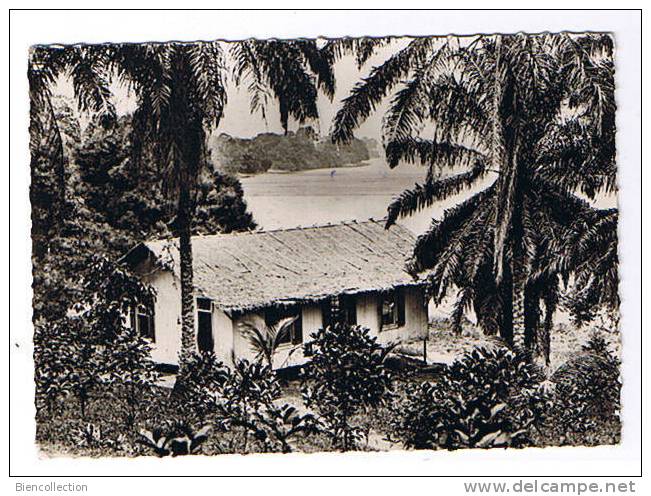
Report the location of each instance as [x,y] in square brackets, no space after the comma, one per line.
[205,341]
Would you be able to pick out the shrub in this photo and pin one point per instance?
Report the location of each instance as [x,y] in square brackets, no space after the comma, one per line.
[92,436]
[250,401]
[242,401]
[67,363]
[197,392]
[488,398]
[175,439]
[77,353]
[276,425]
[345,376]
[130,371]
[585,404]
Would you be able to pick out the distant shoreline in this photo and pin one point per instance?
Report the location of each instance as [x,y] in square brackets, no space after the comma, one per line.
[295,152]
[349,165]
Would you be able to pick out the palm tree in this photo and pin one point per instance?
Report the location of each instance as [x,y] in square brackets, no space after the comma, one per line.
[282,69]
[46,65]
[590,250]
[180,95]
[265,339]
[293,71]
[537,112]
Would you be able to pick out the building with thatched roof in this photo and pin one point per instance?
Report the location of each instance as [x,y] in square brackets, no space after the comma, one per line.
[270,275]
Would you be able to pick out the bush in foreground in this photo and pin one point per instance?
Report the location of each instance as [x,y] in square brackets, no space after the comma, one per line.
[584,407]
[346,375]
[488,398]
[242,403]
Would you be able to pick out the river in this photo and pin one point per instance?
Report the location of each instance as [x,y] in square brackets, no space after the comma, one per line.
[321,196]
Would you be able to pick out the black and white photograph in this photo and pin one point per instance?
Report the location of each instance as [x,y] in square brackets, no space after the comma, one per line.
[325,244]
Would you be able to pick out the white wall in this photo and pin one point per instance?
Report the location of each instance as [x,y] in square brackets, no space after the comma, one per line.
[229,340]
[167,315]
[368,315]
[222,332]
[367,312]
[288,354]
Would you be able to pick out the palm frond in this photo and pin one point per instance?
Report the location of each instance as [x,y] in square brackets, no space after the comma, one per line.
[410,105]
[458,109]
[207,66]
[591,254]
[280,330]
[431,243]
[462,304]
[90,82]
[573,157]
[247,66]
[455,262]
[361,48]
[265,339]
[423,196]
[439,154]
[46,64]
[283,67]
[367,95]
[259,336]
[320,64]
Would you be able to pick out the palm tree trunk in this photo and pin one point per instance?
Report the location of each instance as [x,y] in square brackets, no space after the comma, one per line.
[187,283]
[532,316]
[519,275]
[284,116]
[544,338]
[505,289]
[499,160]
[519,331]
[508,228]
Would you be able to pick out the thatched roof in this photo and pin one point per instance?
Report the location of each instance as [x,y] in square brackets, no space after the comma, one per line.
[245,271]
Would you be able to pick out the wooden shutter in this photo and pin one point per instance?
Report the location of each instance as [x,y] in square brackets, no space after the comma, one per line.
[326,314]
[152,325]
[350,310]
[297,337]
[205,340]
[400,301]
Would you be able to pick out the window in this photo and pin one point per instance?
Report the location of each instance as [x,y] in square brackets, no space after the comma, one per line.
[294,334]
[392,308]
[347,310]
[205,340]
[142,320]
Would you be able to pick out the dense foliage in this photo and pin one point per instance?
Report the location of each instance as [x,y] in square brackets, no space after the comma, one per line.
[79,353]
[584,406]
[488,398]
[242,401]
[132,198]
[302,150]
[535,113]
[112,205]
[346,375]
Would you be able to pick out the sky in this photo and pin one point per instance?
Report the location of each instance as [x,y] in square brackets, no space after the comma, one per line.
[238,120]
